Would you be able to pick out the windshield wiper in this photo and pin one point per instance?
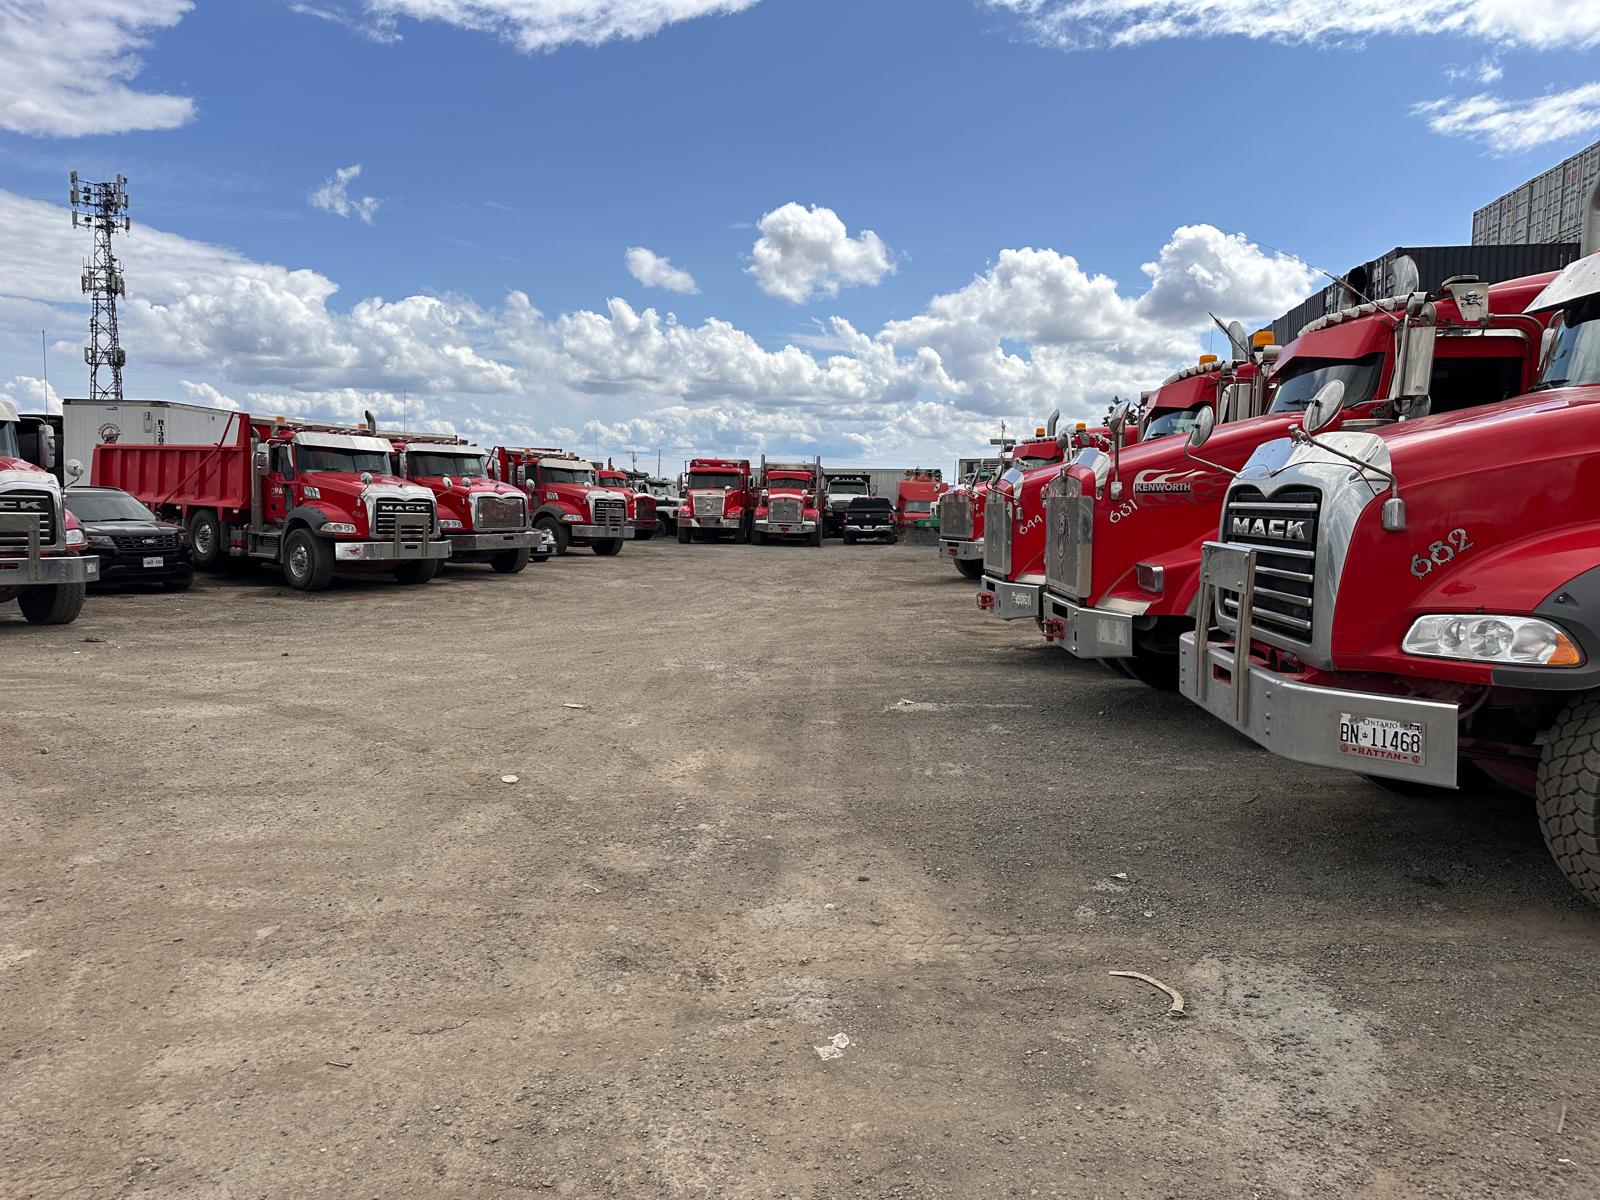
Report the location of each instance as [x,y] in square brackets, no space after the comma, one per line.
[1546,385]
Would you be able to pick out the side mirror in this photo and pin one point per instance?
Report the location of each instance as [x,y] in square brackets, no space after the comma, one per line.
[402,462]
[261,461]
[74,470]
[1324,407]
[1118,421]
[448,482]
[1204,422]
[366,477]
[47,447]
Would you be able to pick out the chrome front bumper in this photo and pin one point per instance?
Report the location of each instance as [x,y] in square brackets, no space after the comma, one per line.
[795,527]
[1087,632]
[602,532]
[1010,601]
[511,540]
[49,569]
[961,548]
[392,551]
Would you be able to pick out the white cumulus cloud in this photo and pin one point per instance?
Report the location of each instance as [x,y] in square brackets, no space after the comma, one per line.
[652,270]
[1510,126]
[334,196]
[529,25]
[67,66]
[1202,269]
[29,393]
[804,252]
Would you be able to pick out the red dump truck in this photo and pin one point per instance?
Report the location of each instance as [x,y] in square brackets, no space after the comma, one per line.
[568,502]
[310,498]
[915,498]
[791,501]
[719,500]
[41,564]
[1125,534]
[484,520]
[961,509]
[1402,600]
[641,504]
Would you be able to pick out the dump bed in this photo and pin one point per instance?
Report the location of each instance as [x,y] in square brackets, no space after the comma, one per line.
[190,476]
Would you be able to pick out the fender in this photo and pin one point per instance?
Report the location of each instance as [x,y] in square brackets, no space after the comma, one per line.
[1575,606]
[308,515]
[549,510]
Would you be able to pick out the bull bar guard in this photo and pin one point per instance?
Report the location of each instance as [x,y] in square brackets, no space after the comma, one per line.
[1087,632]
[410,541]
[38,567]
[961,548]
[1010,601]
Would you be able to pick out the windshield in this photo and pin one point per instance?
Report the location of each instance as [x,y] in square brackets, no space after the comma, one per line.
[565,475]
[1359,376]
[1173,421]
[1575,354]
[8,440]
[321,458]
[107,506]
[789,485]
[919,506]
[712,481]
[458,466]
[1039,454]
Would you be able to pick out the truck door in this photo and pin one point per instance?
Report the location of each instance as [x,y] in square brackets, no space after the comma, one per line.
[275,488]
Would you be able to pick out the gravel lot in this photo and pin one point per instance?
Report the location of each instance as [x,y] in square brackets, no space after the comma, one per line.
[809,886]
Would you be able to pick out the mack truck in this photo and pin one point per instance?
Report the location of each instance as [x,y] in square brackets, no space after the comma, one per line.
[718,500]
[568,502]
[1414,599]
[42,566]
[641,504]
[792,498]
[1124,531]
[485,521]
[843,487]
[961,509]
[310,498]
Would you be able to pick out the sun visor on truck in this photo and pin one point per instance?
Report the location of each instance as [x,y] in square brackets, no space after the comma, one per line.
[344,441]
[1577,281]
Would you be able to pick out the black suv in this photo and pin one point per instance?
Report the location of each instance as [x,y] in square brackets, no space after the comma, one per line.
[132,543]
[869,517]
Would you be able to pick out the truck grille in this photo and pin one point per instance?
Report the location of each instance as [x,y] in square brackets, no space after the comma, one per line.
[708,508]
[145,543]
[1069,536]
[786,510]
[41,505]
[955,516]
[1284,531]
[611,515]
[644,509]
[996,536]
[388,511]
[499,512]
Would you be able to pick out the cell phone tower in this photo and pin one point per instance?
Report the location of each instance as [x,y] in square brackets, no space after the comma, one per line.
[103,208]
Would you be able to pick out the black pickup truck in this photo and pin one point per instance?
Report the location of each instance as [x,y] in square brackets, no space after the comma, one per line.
[869,517]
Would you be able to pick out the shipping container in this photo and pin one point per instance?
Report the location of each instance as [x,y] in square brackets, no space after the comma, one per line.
[1548,208]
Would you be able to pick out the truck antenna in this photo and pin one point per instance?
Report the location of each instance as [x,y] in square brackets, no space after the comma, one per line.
[1339,279]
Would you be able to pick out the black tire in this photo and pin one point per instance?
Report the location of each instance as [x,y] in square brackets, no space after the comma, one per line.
[1118,666]
[971,568]
[57,604]
[816,536]
[556,530]
[759,537]
[180,584]
[683,535]
[1568,797]
[894,539]
[205,539]
[1153,669]
[741,535]
[849,538]
[644,535]
[511,562]
[307,561]
[417,570]
[606,547]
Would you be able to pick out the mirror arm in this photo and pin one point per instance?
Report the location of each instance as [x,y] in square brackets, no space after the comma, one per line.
[1228,471]
[1394,508]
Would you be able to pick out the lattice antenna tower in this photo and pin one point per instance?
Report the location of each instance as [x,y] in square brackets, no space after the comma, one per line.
[103,209]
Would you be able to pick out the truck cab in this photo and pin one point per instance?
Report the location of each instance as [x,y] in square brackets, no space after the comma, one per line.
[641,504]
[843,487]
[961,509]
[718,500]
[791,501]
[42,566]
[915,499]
[568,502]
[483,519]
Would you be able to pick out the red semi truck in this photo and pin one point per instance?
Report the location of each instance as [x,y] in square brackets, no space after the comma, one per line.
[1426,594]
[568,502]
[483,519]
[719,498]
[42,566]
[1124,534]
[914,500]
[961,509]
[641,504]
[311,498]
[791,501]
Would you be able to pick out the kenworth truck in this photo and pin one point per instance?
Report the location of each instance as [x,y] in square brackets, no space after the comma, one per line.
[41,564]
[719,499]
[1124,538]
[483,519]
[791,501]
[310,498]
[1410,598]
[568,502]
[961,509]
[641,504]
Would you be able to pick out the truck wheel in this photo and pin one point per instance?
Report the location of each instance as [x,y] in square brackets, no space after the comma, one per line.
[1153,669]
[511,562]
[606,547]
[556,530]
[58,604]
[1568,797]
[815,537]
[741,535]
[683,535]
[417,570]
[971,568]
[644,535]
[307,561]
[849,538]
[205,538]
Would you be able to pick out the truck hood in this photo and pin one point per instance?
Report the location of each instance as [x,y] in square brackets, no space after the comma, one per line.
[20,472]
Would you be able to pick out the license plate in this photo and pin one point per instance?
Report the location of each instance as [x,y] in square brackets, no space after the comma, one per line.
[1112,633]
[156,561]
[1382,738]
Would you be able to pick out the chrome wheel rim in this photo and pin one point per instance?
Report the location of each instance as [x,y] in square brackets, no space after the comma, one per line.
[299,561]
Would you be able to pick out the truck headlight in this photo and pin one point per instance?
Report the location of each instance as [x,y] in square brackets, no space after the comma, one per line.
[444,524]
[338,527]
[75,538]
[572,517]
[1524,641]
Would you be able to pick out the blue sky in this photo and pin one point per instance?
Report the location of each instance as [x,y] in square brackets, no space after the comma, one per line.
[962,133]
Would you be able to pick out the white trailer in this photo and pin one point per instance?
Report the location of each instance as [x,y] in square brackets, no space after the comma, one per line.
[88,423]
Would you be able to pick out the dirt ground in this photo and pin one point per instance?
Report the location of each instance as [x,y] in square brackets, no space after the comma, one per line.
[809,885]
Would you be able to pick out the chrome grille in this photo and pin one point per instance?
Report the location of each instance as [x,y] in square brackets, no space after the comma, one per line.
[996,535]
[388,511]
[499,512]
[786,510]
[1068,536]
[40,505]
[644,509]
[955,516]
[145,543]
[611,515]
[709,508]
[1283,530]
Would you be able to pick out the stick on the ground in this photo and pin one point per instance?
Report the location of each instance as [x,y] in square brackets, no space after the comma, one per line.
[1561,1122]
[1177,997]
